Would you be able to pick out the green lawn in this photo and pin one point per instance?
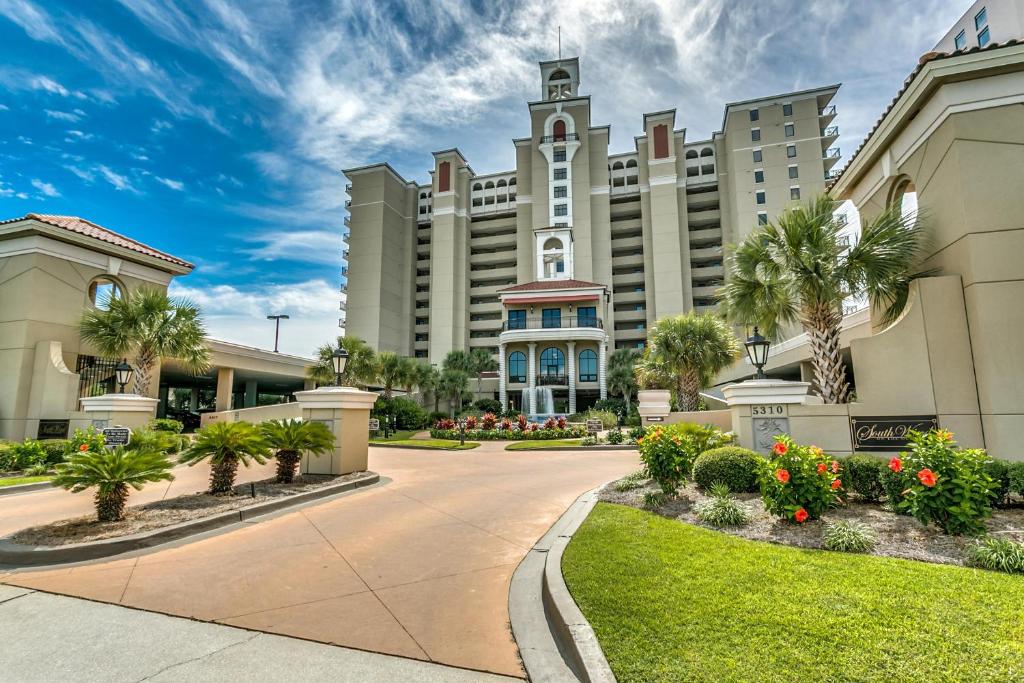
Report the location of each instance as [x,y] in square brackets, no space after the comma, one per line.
[673,602]
[393,436]
[433,444]
[541,444]
[15,481]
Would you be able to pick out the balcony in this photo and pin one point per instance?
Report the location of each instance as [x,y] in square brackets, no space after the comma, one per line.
[348,203]
[348,187]
[828,112]
[832,175]
[830,132]
[559,138]
[341,323]
[346,221]
[341,306]
[344,254]
[552,380]
[831,156]
[564,322]
[344,271]
[344,288]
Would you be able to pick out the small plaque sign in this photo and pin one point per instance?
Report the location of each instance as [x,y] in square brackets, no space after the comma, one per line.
[594,426]
[53,429]
[889,432]
[769,410]
[374,424]
[116,436]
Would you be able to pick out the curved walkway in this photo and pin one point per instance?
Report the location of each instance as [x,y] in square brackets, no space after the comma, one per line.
[419,567]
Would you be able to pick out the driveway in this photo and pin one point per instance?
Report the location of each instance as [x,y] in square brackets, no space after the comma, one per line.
[417,567]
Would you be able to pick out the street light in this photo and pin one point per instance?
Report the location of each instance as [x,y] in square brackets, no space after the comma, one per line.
[123,374]
[277,326]
[340,359]
[757,352]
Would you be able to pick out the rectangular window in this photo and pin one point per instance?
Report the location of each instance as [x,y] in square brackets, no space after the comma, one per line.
[762,218]
[760,197]
[790,130]
[586,316]
[794,193]
[561,225]
[559,155]
[755,134]
[560,267]
[759,176]
[787,109]
[960,42]
[560,191]
[983,37]
[561,209]
[754,115]
[794,172]
[559,174]
[757,156]
[638,290]
[551,317]
[517,320]
[981,19]
[791,151]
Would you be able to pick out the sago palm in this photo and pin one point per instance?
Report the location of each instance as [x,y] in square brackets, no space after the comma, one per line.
[111,472]
[360,369]
[692,349]
[148,326]
[289,439]
[225,445]
[796,269]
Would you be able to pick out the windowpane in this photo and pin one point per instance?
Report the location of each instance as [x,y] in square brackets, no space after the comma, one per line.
[586,316]
[960,42]
[559,174]
[552,362]
[755,134]
[588,366]
[560,191]
[754,115]
[791,151]
[551,317]
[559,155]
[517,320]
[787,110]
[794,193]
[983,38]
[981,19]
[794,172]
[759,176]
[757,156]
[760,197]
[790,130]
[762,218]
[517,367]
[561,209]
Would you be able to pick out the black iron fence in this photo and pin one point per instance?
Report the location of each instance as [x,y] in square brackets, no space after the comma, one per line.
[553,323]
[96,375]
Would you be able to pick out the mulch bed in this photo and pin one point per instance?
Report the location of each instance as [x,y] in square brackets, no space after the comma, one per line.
[171,511]
[897,535]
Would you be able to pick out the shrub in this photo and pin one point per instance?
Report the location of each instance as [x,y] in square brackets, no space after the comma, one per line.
[22,456]
[799,482]
[289,439]
[608,418]
[669,452]
[550,423]
[945,484]
[488,421]
[1017,478]
[893,485]
[55,449]
[849,537]
[999,470]
[631,481]
[521,422]
[864,476]
[730,465]
[471,422]
[612,405]
[720,509]
[997,554]
[89,439]
[488,405]
[655,499]
[636,433]
[408,414]
[226,445]
[614,436]
[166,424]
[590,440]
[434,417]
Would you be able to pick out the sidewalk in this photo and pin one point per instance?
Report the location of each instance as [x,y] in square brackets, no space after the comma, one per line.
[50,637]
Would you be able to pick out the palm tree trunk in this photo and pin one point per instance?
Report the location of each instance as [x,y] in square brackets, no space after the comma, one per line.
[625,395]
[479,385]
[222,475]
[144,363]
[822,327]
[287,461]
[689,391]
[110,504]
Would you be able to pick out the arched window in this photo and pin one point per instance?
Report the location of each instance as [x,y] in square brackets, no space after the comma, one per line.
[904,195]
[477,187]
[554,257]
[103,289]
[489,185]
[552,362]
[423,195]
[517,367]
[707,152]
[559,75]
[588,366]
[512,182]
[558,130]
[691,154]
[617,166]
[631,163]
[502,183]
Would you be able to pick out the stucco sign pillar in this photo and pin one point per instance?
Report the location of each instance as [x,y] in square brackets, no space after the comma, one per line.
[346,412]
[119,410]
[760,409]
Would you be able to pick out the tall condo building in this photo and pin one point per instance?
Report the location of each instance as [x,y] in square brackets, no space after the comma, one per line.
[578,249]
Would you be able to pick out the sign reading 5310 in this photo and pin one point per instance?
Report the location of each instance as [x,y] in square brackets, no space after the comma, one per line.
[770,410]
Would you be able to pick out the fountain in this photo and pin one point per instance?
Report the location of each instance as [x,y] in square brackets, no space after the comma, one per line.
[544,401]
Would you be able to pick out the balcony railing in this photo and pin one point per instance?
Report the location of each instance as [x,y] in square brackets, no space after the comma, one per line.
[348,187]
[564,322]
[832,153]
[548,380]
[832,175]
[830,132]
[560,138]
[827,111]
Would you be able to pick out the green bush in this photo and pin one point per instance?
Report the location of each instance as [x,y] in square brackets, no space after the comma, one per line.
[612,405]
[614,436]
[799,482]
[56,450]
[633,480]
[1017,478]
[408,414]
[591,440]
[997,554]
[893,485]
[730,465]
[669,452]
[636,433]
[91,438]
[864,476]
[22,456]
[999,470]
[488,405]
[165,424]
[434,417]
[849,537]
[720,509]
[608,418]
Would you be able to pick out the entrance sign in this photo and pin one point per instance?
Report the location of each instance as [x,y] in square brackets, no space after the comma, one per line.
[374,424]
[594,426]
[53,429]
[769,410]
[116,436]
[889,432]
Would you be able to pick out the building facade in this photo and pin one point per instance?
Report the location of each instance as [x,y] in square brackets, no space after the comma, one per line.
[578,249]
[984,22]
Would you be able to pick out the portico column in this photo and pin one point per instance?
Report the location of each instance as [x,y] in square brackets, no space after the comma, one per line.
[532,378]
[193,399]
[502,389]
[602,358]
[571,366]
[225,388]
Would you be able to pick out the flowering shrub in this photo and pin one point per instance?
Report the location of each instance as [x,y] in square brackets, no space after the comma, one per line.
[506,424]
[550,423]
[446,423]
[562,422]
[521,422]
[669,452]
[488,421]
[944,483]
[504,430]
[799,482]
[90,439]
[471,422]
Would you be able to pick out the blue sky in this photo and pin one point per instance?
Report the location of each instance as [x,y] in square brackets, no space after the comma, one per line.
[215,129]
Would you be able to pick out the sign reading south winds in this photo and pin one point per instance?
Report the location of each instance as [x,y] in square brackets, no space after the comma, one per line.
[889,432]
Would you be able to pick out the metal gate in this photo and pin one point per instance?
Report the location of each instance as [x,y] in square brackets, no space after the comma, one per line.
[96,376]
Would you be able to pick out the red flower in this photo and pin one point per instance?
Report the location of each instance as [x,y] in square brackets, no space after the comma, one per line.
[822,469]
[835,467]
[896,465]
[84,447]
[779,448]
[927,477]
[782,475]
[800,515]
[836,484]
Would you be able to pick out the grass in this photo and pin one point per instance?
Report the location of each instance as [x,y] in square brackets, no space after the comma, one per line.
[431,444]
[15,481]
[394,436]
[673,602]
[541,444]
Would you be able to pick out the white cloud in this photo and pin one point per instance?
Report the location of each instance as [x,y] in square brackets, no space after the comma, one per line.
[173,184]
[119,181]
[305,246]
[4,107]
[83,174]
[77,135]
[70,117]
[159,126]
[46,188]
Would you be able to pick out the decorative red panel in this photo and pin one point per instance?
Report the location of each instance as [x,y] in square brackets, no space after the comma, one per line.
[660,141]
[559,130]
[444,176]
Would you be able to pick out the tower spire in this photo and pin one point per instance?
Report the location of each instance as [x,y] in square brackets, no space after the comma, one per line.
[559,42]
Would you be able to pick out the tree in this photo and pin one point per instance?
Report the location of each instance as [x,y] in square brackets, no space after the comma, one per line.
[225,445]
[148,326]
[691,349]
[290,439]
[394,370]
[796,269]
[360,369]
[452,384]
[427,377]
[458,360]
[621,377]
[481,361]
[111,472]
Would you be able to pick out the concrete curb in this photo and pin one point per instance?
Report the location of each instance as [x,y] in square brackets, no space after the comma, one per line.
[18,555]
[422,448]
[556,643]
[598,447]
[24,488]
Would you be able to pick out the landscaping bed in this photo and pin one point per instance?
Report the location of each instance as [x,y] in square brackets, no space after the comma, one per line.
[19,480]
[173,511]
[428,444]
[673,602]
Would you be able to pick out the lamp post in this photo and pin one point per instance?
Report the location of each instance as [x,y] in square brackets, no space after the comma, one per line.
[123,374]
[462,432]
[757,351]
[277,326]
[340,359]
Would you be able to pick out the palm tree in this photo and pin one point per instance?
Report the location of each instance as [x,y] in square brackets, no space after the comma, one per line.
[226,444]
[427,377]
[290,438]
[148,326]
[452,384]
[481,361]
[394,370]
[458,360]
[410,375]
[796,269]
[111,472]
[361,368]
[621,377]
[692,349]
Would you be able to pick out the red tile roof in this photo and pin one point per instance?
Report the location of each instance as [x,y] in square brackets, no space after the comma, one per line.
[551,284]
[90,229]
